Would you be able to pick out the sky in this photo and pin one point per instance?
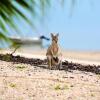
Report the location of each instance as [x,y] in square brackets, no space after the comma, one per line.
[78,26]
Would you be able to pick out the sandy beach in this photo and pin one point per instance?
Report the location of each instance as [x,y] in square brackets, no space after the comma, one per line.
[26,82]
[49,50]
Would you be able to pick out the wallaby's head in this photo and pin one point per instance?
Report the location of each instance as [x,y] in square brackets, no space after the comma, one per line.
[54,37]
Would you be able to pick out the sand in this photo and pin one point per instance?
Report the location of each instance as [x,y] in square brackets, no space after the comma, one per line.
[26,82]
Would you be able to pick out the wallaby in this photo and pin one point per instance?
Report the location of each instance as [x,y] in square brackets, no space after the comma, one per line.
[52,51]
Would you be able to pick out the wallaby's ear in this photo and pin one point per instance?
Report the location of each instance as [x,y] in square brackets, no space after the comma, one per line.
[52,35]
[57,34]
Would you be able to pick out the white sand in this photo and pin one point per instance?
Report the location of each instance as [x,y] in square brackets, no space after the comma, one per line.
[35,83]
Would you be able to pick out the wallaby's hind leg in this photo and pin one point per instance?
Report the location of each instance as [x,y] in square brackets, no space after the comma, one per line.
[49,62]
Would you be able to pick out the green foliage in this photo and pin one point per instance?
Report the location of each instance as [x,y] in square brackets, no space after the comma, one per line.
[92,95]
[57,87]
[13,85]
[4,37]
[8,10]
[20,67]
[7,57]
[61,87]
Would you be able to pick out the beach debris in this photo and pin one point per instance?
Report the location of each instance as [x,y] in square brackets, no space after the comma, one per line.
[67,66]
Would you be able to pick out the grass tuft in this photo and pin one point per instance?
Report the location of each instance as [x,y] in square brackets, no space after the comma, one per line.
[13,85]
[20,67]
[59,87]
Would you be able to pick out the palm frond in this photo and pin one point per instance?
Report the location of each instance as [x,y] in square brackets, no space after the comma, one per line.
[4,37]
[8,10]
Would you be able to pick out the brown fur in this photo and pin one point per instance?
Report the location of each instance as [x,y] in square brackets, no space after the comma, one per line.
[52,51]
